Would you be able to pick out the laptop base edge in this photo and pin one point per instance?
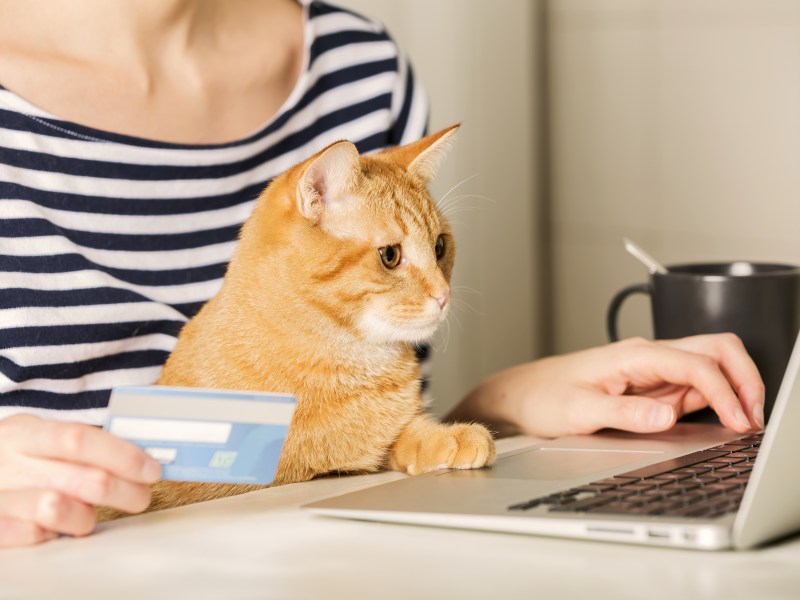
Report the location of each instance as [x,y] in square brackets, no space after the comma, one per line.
[686,535]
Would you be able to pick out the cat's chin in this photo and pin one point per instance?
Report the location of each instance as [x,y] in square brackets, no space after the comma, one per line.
[378,331]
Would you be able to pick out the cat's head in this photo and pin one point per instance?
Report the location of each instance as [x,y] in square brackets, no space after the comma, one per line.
[375,252]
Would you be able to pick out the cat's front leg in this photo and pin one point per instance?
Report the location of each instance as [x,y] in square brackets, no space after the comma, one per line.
[426,445]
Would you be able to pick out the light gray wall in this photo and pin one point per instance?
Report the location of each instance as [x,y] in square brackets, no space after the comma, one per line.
[478,61]
[675,123]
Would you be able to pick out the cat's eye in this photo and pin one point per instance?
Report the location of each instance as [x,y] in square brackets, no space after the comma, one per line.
[439,248]
[390,255]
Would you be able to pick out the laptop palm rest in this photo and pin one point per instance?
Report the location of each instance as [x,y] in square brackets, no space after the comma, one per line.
[557,464]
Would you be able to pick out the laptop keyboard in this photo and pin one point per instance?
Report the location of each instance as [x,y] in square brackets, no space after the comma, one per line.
[704,484]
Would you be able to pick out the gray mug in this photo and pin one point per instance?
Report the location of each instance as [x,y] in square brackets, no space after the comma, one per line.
[759,302]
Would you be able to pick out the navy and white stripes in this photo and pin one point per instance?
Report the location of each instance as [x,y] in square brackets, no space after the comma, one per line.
[109,243]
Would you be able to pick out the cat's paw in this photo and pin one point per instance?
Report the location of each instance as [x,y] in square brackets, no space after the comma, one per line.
[460,446]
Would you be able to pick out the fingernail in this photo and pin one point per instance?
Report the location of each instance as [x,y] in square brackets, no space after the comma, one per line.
[758,415]
[660,417]
[741,419]
[152,470]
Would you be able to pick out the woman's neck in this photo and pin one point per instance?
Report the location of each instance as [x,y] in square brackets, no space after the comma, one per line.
[191,71]
[131,32]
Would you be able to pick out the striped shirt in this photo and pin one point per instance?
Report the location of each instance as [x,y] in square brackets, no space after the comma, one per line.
[110,243]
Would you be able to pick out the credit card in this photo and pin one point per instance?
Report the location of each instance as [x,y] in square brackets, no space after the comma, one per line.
[202,434]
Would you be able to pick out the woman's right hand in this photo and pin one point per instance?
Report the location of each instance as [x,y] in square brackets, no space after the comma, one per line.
[52,474]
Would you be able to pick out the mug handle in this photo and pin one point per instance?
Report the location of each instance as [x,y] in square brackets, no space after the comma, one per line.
[616,303]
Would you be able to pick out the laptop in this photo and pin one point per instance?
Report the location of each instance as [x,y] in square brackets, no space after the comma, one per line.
[696,486]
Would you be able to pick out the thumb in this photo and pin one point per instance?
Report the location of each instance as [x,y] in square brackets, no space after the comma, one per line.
[639,414]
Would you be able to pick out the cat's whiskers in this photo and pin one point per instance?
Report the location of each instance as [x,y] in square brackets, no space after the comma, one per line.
[439,344]
[457,289]
[457,222]
[445,340]
[457,305]
[454,203]
[457,210]
[479,196]
[459,302]
[442,337]
[460,307]
[443,198]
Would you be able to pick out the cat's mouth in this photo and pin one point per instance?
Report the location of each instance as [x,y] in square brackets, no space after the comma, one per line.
[422,328]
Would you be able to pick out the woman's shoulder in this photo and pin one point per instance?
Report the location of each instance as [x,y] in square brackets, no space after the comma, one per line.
[318,9]
[333,27]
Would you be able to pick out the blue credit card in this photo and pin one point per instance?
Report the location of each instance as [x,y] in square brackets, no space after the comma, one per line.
[204,435]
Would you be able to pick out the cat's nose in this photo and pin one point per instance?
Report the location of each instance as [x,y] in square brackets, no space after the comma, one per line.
[442,299]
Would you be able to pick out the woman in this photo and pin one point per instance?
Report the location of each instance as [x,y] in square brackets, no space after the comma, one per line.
[134,138]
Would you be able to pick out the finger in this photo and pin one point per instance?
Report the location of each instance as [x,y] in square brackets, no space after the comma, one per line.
[738,367]
[592,410]
[14,532]
[47,510]
[87,484]
[79,443]
[689,369]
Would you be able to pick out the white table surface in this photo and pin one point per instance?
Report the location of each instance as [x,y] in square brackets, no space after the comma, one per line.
[261,545]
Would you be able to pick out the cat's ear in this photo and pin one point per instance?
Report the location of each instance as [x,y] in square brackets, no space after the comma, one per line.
[327,179]
[424,157]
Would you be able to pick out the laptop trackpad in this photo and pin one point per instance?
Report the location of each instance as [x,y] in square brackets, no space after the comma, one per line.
[561,463]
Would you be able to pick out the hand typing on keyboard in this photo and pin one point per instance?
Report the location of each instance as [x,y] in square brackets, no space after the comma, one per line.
[636,385]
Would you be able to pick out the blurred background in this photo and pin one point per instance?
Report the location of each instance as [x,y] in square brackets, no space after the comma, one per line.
[675,123]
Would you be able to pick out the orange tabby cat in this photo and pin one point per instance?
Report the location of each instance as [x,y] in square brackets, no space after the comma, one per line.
[342,268]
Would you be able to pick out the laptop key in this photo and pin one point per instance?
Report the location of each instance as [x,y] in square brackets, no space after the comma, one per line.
[738,481]
[734,471]
[745,456]
[673,476]
[582,505]
[691,511]
[732,446]
[617,481]
[675,463]
[527,505]
[661,508]
[708,479]
[616,508]
[641,487]
[753,439]
[715,489]
[595,487]
[695,470]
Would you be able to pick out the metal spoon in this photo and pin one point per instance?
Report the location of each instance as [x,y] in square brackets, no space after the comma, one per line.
[651,263]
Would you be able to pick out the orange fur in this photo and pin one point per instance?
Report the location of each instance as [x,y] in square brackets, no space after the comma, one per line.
[308,308]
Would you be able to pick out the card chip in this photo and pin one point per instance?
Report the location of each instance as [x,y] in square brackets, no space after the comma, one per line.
[223,459]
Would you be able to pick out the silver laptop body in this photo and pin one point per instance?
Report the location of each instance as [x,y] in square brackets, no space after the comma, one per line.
[483,499]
